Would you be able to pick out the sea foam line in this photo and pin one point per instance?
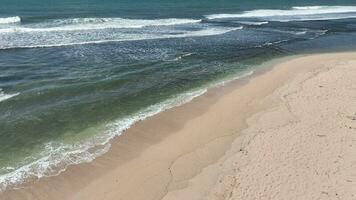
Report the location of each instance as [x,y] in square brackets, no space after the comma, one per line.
[199,33]
[81,24]
[252,23]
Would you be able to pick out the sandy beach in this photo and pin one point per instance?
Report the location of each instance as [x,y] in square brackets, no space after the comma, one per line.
[286,133]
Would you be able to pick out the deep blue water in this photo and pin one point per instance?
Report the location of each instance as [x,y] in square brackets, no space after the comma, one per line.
[74,74]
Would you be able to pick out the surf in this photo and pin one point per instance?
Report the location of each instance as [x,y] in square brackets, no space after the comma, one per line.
[81,24]
[49,40]
[10,20]
[300,13]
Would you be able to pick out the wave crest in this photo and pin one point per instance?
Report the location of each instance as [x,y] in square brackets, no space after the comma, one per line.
[125,23]
[4,96]
[301,13]
[10,20]
[78,24]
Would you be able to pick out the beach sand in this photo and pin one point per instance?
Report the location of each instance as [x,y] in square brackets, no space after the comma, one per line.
[288,133]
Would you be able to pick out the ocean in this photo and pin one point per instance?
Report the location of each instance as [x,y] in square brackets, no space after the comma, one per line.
[74,74]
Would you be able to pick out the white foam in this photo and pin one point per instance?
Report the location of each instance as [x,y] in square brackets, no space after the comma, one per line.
[210,31]
[51,42]
[181,56]
[10,20]
[252,23]
[295,13]
[78,24]
[4,96]
[301,33]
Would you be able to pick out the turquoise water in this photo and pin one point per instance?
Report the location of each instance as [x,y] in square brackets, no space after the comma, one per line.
[74,74]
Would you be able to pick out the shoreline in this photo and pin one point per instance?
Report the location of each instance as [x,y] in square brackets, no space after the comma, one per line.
[165,152]
[118,127]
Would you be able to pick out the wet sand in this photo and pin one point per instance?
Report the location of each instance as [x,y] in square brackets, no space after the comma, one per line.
[288,133]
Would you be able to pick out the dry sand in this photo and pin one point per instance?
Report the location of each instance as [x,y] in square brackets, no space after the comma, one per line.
[289,133]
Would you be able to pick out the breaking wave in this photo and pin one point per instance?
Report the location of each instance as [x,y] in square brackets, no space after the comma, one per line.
[10,20]
[4,96]
[45,39]
[78,24]
[306,13]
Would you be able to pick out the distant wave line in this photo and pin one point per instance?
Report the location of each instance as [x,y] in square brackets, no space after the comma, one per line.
[78,24]
[295,13]
[253,23]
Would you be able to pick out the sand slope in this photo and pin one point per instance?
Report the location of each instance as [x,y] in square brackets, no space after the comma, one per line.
[303,148]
